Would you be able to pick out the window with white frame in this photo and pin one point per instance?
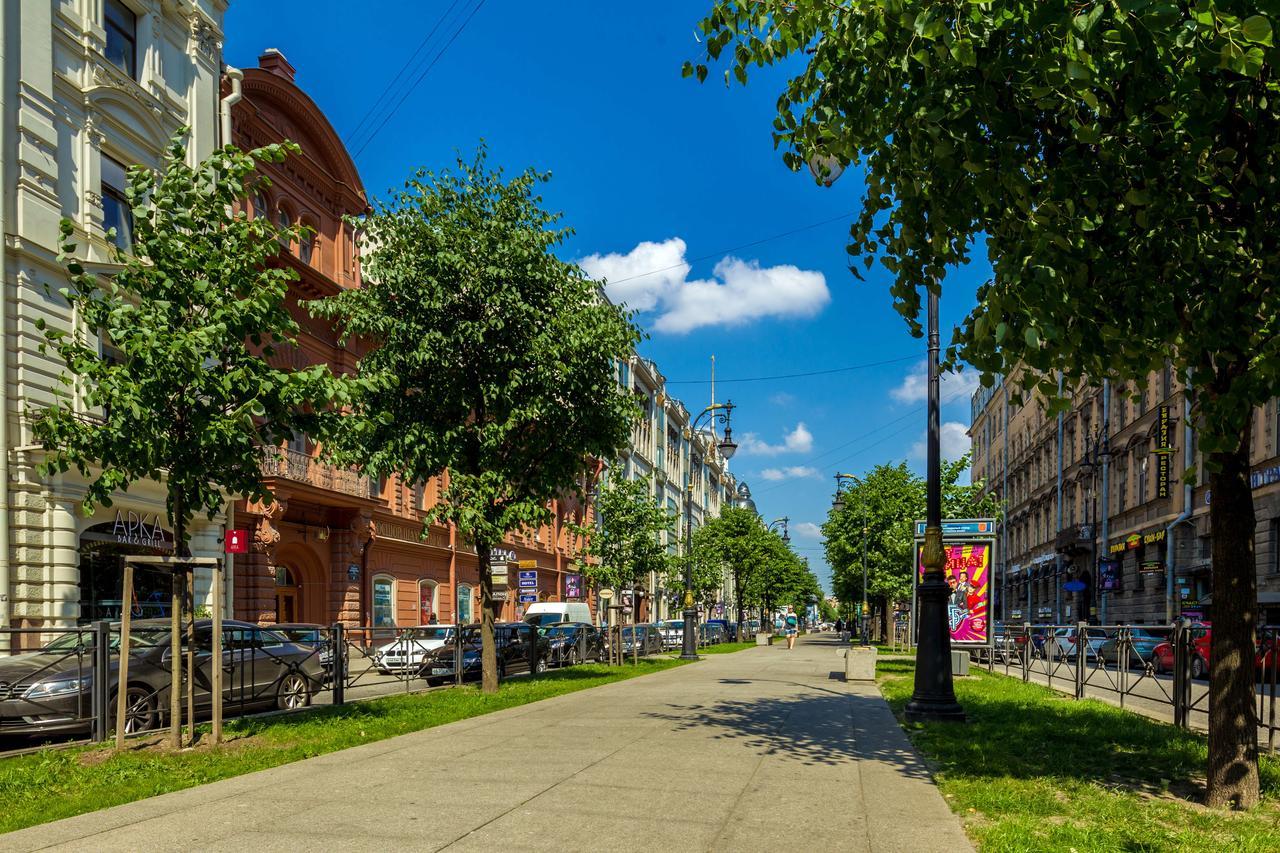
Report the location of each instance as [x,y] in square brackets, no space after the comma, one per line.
[121,24]
[427,601]
[464,605]
[117,217]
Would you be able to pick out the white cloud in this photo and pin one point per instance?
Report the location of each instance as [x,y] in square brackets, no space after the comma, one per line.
[953,442]
[799,440]
[794,472]
[953,386]
[782,398]
[806,530]
[655,277]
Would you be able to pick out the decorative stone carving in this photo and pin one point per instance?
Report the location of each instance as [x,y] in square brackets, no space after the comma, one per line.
[204,38]
[365,531]
[266,536]
[96,136]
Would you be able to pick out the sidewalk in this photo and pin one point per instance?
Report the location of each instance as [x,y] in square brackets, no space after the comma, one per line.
[752,750]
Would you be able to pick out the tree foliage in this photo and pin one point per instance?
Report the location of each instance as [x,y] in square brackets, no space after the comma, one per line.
[1117,161]
[167,377]
[887,502]
[491,358]
[628,545]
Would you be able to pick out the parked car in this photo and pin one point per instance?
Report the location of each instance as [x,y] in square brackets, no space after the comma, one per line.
[710,633]
[407,652]
[566,642]
[728,630]
[648,639]
[545,613]
[49,690]
[1061,644]
[1142,647]
[1163,652]
[520,648]
[672,632]
[317,637]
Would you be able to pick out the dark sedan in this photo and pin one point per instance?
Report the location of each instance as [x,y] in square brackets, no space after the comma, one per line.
[642,640]
[518,645]
[574,642]
[318,637]
[50,690]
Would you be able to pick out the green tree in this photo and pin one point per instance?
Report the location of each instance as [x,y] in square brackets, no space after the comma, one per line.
[733,544]
[1116,161]
[185,396]
[888,501]
[627,546]
[491,358]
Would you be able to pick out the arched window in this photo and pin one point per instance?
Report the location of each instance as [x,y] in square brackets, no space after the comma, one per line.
[259,203]
[426,601]
[284,221]
[464,605]
[307,243]
[384,601]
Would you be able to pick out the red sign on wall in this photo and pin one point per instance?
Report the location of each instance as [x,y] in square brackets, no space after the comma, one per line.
[237,542]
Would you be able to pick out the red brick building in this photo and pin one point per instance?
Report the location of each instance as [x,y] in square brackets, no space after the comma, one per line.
[336,545]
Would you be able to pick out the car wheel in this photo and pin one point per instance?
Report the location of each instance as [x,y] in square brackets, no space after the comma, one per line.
[294,692]
[540,666]
[1198,667]
[139,710]
[572,659]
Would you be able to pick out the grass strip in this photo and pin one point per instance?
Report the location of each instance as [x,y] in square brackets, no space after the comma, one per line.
[1035,770]
[726,648]
[58,783]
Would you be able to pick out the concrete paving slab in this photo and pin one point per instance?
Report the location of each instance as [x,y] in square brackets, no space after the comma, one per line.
[741,751]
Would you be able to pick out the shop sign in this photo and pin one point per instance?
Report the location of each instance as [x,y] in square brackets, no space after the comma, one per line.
[1151,567]
[1116,547]
[237,542]
[1136,540]
[1015,614]
[527,598]
[502,555]
[1044,612]
[353,572]
[1164,451]
[500,594]
[130,528]
[962,528]
[573,586]
[529,580]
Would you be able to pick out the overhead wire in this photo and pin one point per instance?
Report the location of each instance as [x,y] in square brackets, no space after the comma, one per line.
[440,53]
[794,375]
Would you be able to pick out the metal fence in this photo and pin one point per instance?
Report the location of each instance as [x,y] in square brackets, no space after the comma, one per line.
[51,685]
[1142,666]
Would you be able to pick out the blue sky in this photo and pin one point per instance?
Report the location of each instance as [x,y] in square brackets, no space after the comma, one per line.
[592,93]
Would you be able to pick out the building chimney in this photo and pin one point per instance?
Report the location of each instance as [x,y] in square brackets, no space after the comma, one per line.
[273,60]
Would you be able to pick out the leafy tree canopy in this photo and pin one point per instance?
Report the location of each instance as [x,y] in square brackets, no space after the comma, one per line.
[628,545]
[180,390]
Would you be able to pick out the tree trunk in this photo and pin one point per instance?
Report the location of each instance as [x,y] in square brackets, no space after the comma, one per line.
[179,522]
[737,604]
[1233,727]
[488,652]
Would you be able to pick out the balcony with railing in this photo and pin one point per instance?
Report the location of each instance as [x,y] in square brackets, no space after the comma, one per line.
[298,467]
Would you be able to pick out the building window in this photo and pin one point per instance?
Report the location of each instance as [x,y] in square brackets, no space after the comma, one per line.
[464,605]
[260,205]
[1275,546]
[1122,492]
[306,246]
[426,602]
[117,216]
[1142,480]
[121,25]
[384,602]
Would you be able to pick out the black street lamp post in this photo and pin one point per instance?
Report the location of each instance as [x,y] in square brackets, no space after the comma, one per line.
[842,481]
[934,697]
[713,414]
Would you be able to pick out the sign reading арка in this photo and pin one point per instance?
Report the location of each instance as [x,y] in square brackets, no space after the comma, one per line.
[981,528]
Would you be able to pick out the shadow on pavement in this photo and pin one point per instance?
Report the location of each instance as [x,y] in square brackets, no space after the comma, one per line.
[830,729]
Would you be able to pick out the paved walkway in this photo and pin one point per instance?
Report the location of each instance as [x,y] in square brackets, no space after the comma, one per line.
[761,749]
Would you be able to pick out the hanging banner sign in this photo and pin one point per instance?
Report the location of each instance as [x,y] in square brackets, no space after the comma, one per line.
[1108,575]
[969,549]
[573,586]
[237,542]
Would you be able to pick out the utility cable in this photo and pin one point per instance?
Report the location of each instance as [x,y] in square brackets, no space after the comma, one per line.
[795,375]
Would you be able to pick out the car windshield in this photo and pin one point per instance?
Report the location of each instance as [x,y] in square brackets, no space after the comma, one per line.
[302,635]
[471,635]
[541,619]
[561,631]
[140,637]
[432,633]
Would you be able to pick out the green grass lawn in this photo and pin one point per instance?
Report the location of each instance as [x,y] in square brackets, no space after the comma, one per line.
[726,648]
[53,784]
[1034,770]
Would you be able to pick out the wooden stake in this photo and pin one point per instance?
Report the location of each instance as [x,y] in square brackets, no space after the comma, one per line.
[122,680]
[216,663]
[189,580]
[175,661]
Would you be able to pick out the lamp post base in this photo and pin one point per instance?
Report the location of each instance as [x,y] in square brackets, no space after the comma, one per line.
[934,698]
[689,646]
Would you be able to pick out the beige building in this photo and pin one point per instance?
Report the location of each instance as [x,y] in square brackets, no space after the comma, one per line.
[89,88]
[1096,497]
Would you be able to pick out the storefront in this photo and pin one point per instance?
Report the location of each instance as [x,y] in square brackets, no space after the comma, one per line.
[104,549]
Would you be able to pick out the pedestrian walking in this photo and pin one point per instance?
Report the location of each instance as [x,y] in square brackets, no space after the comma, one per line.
[840,628]
[791,626]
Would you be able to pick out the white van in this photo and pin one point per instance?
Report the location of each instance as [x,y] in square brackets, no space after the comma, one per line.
[550,612]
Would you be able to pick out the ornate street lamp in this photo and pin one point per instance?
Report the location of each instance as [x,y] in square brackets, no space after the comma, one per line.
[837,503]
[934,697]
[711,415]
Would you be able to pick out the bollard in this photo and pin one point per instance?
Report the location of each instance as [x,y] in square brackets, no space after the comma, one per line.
[338,663]
[101,670]
[860,663]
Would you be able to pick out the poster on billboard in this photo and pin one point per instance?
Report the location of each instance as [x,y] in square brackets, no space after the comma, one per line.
[969,548]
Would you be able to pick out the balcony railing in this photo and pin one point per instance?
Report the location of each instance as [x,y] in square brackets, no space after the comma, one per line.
[300,468]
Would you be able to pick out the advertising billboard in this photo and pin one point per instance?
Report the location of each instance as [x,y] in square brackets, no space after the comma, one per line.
[969,548]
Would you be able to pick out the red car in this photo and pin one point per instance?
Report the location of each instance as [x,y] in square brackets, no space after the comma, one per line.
[1201,633]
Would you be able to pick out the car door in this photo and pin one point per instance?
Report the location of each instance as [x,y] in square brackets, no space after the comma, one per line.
[237,667]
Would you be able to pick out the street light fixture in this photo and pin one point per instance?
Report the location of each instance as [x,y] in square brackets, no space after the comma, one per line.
[784,521]
[842,483]
[711,415]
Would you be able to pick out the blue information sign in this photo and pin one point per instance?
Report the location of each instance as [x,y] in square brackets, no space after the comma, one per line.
[528,599]
[981,527]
